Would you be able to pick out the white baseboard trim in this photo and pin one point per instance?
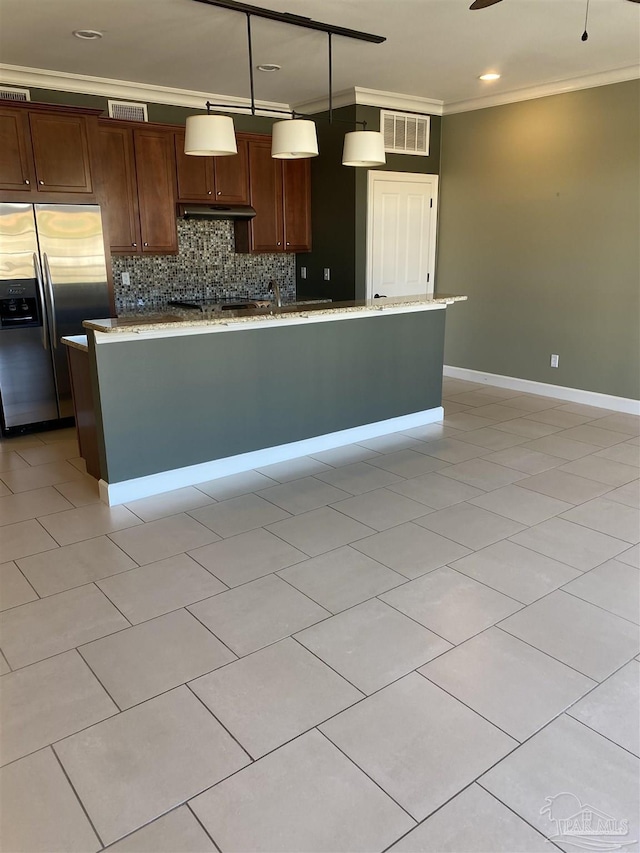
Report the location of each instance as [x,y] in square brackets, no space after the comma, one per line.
[559,392]
[165,481]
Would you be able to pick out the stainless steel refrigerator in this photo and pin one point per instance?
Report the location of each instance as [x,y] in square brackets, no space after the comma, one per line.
[53,276]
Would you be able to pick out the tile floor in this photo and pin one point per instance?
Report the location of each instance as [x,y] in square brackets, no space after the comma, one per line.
[425,642]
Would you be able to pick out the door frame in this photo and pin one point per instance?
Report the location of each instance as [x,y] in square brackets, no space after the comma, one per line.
[406,177]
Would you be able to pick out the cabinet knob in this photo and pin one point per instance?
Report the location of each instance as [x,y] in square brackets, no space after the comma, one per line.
[41,183]
[145,244]
[134,245]
[208,192]
[279,243]
[288,244]
[27,181]
[219,192]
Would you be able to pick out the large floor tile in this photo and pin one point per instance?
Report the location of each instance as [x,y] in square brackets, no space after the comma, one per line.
[610,517]
[359,477]
[302,495]
[562,445]
[246,557]
[39,476]
[86,522]
[628,495]
[560,417]
[292,469]
[482,474]
[631,557]
[492,439]
[469,525]
[303,798]
[25,505]
[408,463]
[56,624]
[613,708]
[341,578]
[590,412]
[483,397]
[40,812]
[514,686]
[570,543]
[626,424]
[498,411]
[134,767]
[274,695]
[418,743]
[160,587]
[516,571]
[347,455]
[238,515]
[372,644]
[235,485]
[525,460]
[23,539]
[521,505]
[435,491]
[157,540]
[4,666]
[410,549]
[577,633]
[602,470]
[47,701]
[176,832]
[592,434]
[169,503]
[320,530]
[562,771]
[564,486]
[258,613]
[10,460]
[80,492]
[74,565]
[473,822]
[381,508]
[613,586]
[623,454]
[452,450]
[467,420]
[154,657]
[432,432]
[526,428]
[54,452]
[14,587]
[392,443]
[531,402]
[450,604]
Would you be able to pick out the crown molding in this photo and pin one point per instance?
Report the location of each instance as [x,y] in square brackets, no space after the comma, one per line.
[40,78]
[373,98]
[574,84]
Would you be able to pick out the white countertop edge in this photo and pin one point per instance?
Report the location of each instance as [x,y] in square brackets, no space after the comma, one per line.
[76,342]
[264,323]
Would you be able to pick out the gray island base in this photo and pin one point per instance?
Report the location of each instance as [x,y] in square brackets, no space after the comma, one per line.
[182,403]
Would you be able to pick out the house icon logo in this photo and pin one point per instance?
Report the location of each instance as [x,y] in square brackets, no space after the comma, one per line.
[584,826]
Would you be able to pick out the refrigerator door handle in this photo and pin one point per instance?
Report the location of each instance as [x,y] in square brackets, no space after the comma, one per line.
[52,303]
[36,266]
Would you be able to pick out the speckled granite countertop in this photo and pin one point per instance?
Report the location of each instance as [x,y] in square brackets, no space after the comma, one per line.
[174,318]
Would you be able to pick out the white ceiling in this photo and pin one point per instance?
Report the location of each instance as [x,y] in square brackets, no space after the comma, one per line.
[435,48]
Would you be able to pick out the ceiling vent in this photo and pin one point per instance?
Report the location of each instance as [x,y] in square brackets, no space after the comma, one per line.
[405,133]
[128,110]
[15,94]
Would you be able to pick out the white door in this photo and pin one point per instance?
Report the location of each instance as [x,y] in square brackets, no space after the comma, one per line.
[401,233]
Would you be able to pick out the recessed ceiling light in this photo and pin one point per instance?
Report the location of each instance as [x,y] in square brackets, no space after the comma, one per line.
[87,35]
[491,76]
[269,67]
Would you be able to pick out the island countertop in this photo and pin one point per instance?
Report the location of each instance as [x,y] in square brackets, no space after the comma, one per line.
[177,320]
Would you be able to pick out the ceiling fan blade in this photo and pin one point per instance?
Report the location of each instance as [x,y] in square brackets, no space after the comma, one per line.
[483,4]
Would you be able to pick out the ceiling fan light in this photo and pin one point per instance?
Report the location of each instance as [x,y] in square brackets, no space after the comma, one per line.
[210,136]
[294,139]
[363,148]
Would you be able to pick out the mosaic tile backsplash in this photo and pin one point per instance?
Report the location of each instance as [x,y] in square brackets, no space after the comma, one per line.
[205,267]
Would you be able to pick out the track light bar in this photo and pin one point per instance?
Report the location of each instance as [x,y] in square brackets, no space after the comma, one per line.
[294,20]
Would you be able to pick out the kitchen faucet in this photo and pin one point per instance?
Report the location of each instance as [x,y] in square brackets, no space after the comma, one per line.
[274,288]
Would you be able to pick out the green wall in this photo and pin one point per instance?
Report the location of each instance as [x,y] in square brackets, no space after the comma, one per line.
[540,225]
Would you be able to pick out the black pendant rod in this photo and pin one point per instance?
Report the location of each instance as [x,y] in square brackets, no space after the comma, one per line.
[330,81]
[294,20]
[225,108]
[251,83]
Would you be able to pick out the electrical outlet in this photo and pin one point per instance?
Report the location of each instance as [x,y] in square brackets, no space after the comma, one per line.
[327,274]
[126,279]
[303,272]
[555,359]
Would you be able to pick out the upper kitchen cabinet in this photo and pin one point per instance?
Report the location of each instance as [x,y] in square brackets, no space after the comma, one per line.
[222,180]
[139,188]
[280,192]
[46,151]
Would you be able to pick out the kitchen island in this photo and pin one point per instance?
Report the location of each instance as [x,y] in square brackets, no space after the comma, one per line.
[180,398]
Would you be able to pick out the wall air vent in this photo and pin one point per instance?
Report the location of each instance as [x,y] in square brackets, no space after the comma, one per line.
[405,133]
[15,94]
[128,110]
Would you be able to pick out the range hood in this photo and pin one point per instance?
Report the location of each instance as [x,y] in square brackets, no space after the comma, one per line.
[216,211]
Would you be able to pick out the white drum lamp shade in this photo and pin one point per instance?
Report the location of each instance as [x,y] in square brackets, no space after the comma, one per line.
[363,148]
[210,136]
[294,139]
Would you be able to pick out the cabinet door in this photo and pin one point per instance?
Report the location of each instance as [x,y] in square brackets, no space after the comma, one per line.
[61,153]
[16,164]
[120,210]
[195,174]
[232,176]
[155,171]
[296,182]
[265,176]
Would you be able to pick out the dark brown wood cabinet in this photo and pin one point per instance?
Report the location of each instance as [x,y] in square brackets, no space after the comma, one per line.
[223,180]
[139,188]
[280,192]
[16,162]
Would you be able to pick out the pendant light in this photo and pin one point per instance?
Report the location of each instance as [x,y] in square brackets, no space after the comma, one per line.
[363,148]
[294,139]
[210,135]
